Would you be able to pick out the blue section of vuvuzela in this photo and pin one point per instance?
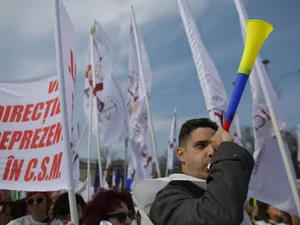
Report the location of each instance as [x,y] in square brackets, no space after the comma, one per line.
[237,93]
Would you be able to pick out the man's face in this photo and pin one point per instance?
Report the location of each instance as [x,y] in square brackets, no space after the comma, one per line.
[197,153]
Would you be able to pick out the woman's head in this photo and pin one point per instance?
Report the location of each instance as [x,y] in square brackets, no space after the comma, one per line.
[38,203]
[113,206]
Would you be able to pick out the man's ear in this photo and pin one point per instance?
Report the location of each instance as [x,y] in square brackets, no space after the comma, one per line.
[180,154]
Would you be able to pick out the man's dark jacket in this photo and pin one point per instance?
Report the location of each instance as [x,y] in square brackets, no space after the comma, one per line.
[185,203]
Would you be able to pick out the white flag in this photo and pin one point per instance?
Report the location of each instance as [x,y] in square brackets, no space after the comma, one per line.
[143,161]
[74,142]
[67,43]
[112,119]
[108,161]
[172,141]
[131,167]
[269,182]
[105,185]
[110,111]
[100,47]
[213,90]
[108,164]
[137,111]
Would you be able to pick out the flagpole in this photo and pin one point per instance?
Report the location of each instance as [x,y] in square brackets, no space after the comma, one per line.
[125,160]
[95,103]
[63,111]
[278,135]
[150,121]
[298,142]
[89,145]
[79,141]
[167,170]
[173,132]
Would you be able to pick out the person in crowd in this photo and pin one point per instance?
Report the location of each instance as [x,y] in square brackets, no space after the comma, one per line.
[7,212]
[61,210]
[21,206]
[38,205]
[111,206]
[251,210]
[205,152]
[287,218]
[273,216]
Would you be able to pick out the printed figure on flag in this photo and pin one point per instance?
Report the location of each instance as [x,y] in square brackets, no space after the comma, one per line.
[112,119]
[99,83]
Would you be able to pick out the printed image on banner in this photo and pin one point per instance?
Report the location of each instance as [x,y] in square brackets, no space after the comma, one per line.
[31,139]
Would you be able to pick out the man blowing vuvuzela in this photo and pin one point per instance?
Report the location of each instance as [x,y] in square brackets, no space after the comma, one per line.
[182,202]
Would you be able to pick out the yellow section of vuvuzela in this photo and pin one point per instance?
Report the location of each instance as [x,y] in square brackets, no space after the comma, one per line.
[257,32]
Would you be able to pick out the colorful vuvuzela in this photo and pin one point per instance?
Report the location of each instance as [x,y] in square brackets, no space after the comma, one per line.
[257,31]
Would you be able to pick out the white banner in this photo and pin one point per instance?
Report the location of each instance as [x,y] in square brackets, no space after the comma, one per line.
[31,146]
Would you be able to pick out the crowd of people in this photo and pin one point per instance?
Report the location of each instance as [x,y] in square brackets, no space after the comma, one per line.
[115,206]
[206,152]
[52,208]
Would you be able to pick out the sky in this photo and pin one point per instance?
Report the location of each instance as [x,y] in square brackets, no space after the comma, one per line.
[27,50]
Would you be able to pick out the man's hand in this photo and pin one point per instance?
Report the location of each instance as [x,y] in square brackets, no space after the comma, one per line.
[219,137]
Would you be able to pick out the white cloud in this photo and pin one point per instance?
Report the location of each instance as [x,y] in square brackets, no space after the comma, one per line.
[34,68]
[26,23]
[172,71]
[30,23]
[34,19]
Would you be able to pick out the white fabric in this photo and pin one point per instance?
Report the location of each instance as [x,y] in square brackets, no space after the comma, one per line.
[112,118]
[112,121]
[27,220]
[144,193]
[82,189]
[43,167]
[137,110]
[104,222]
[105,185]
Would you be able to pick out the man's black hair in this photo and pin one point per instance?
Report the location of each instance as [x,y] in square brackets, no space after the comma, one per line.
[189,126]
